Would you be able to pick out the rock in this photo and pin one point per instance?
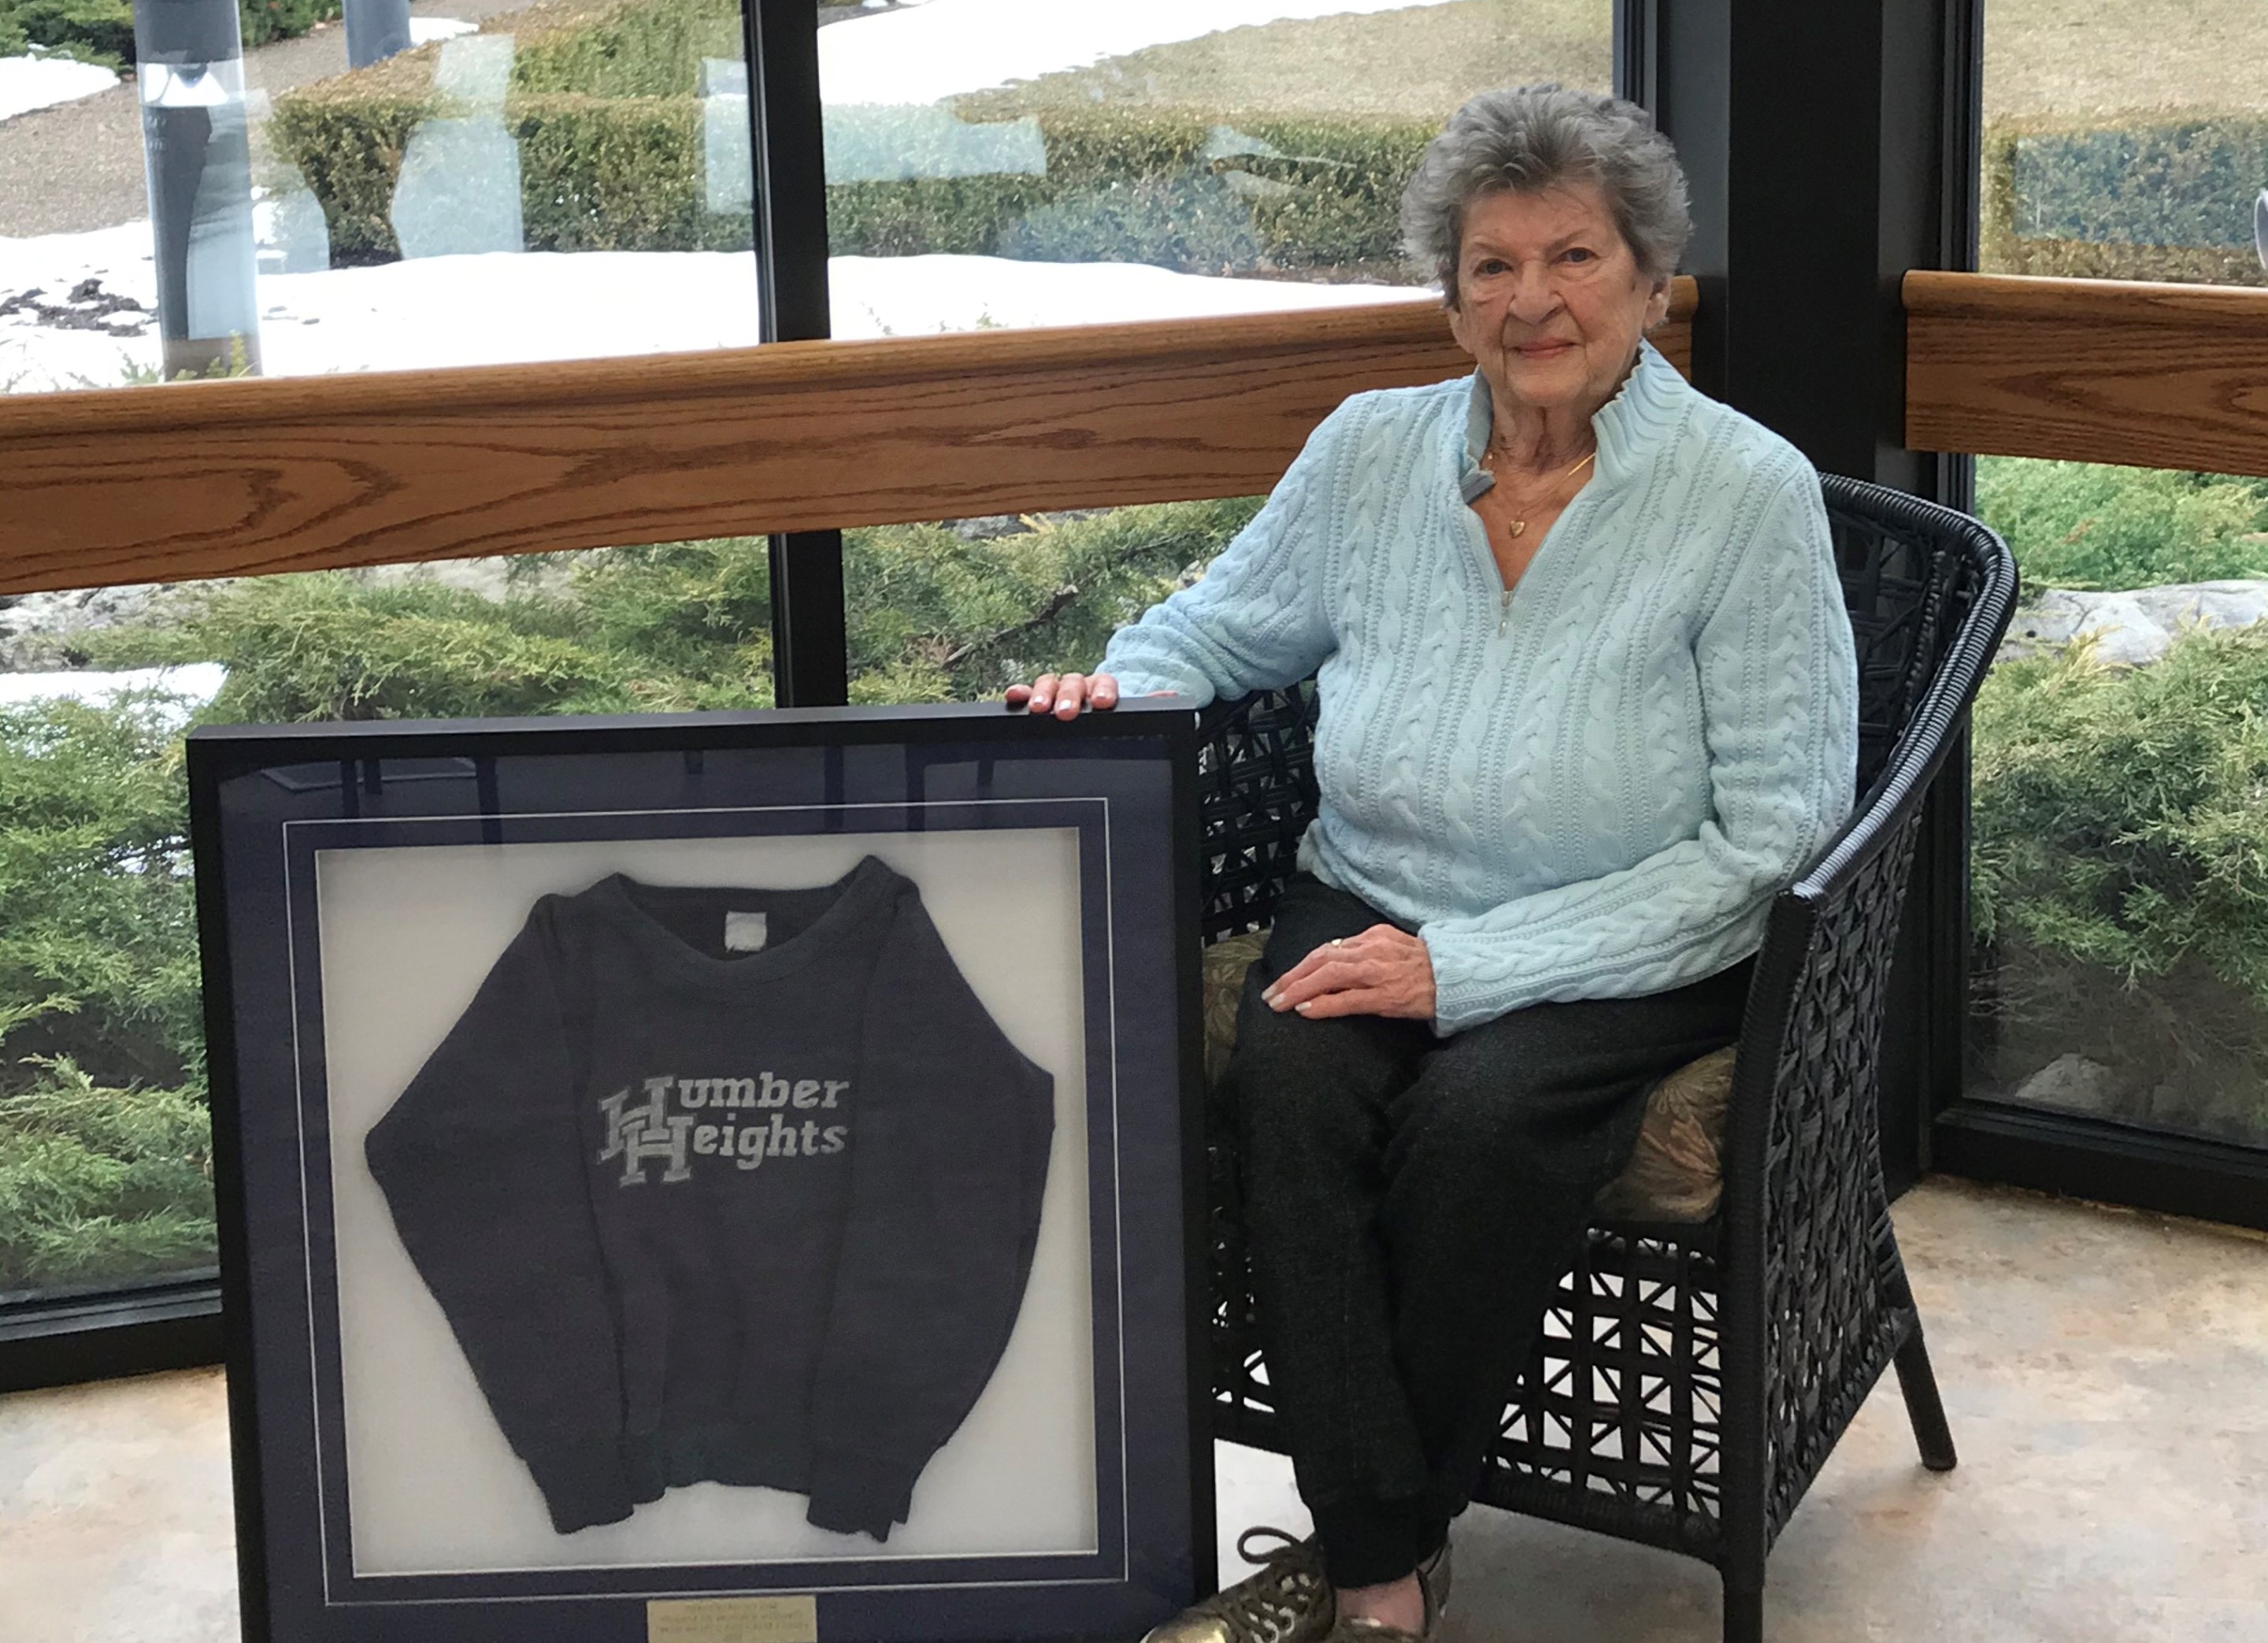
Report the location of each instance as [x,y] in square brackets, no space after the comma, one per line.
[2134,627]
[2075,1084]
[984,528]
[495,578]
[2210,604]
[36,630]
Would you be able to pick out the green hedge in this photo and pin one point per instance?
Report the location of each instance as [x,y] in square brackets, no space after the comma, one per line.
[604,106]
[596,174]
[2157,198]
[628,48]
[1181,191]
[263,20]
[602,109]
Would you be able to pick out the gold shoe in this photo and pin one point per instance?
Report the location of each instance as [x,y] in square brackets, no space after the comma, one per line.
[1434,1580]
[1288,1601]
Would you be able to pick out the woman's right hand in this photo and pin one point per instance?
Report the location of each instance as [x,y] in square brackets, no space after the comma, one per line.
[1063,694]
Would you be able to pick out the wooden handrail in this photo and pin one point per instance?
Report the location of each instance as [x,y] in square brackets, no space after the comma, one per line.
[245,477]
[233,478]
[2097,371]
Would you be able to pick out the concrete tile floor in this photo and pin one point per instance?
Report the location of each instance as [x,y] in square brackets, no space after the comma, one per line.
[2106,1375]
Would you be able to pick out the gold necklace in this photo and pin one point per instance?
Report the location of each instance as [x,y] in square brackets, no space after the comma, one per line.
[1488,461]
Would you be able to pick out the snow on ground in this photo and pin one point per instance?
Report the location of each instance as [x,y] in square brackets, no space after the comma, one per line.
[908,296]
[53,334]
[947,47]
[507,309]
[192,684]
[29,83]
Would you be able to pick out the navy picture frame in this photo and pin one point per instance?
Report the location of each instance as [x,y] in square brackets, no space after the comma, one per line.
[264,799]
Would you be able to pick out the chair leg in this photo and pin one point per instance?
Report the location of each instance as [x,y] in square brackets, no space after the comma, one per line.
[1924,1407]
[1744,1615]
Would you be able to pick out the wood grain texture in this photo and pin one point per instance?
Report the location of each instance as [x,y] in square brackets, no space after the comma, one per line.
[2096,371]
[245,477]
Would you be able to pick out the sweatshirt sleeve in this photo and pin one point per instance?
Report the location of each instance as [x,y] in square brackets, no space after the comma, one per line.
[1256,620]
[1779,679]
[948,1159]
[480,1162]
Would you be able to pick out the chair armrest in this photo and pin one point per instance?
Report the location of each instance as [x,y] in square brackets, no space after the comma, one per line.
[1256,796]
[1814,1309]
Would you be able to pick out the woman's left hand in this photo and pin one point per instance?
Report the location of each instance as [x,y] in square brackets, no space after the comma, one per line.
[1383,971]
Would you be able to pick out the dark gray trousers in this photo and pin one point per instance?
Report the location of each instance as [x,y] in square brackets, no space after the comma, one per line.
[1411,1203]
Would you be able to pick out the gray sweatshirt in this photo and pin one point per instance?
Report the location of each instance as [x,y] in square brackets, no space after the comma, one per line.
[724,1184]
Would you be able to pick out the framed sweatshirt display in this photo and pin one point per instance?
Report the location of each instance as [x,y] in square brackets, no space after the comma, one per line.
[730,1177]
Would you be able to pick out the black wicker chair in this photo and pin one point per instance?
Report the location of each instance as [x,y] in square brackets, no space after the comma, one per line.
[1691,1379]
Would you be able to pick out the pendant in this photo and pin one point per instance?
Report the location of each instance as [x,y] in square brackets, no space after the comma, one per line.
[1518,525]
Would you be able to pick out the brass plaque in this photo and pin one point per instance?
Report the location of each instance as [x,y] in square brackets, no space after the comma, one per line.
[733,1619]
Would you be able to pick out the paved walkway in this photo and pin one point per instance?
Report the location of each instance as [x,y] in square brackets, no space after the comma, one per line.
[78,166]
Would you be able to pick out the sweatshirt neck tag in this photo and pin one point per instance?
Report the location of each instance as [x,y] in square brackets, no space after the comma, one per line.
[745,933]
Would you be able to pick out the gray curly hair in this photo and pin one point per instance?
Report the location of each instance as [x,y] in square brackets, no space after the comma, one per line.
[1530,138]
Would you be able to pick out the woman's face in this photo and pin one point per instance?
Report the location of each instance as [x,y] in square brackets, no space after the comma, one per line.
[1550,303]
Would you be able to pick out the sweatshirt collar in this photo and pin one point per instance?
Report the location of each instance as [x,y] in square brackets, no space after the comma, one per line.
[865,889]
[1629,427]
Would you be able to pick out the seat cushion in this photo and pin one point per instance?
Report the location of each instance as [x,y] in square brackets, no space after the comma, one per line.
[1676,1174]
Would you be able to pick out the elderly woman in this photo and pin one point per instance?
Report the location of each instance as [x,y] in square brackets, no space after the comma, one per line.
[1587,700]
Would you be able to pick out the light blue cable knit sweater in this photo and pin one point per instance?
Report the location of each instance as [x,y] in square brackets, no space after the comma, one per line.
[1590,787]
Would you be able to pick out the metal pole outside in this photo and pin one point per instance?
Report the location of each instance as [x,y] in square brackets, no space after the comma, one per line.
[197,153]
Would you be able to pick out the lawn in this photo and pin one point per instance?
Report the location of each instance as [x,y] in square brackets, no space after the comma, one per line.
[2085,56]
[2042,58]
[1423,62]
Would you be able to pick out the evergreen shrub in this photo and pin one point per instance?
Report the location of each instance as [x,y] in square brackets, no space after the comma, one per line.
[2087,525]
[105,1155]
[263,20]
[2119,872]
[92,31]
[102,1184]
[96,944]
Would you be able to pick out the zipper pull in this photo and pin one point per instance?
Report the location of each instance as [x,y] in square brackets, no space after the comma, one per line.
[1504,612]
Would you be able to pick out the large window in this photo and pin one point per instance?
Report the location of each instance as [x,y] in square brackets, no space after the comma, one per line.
[271,190]
[2120,827]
